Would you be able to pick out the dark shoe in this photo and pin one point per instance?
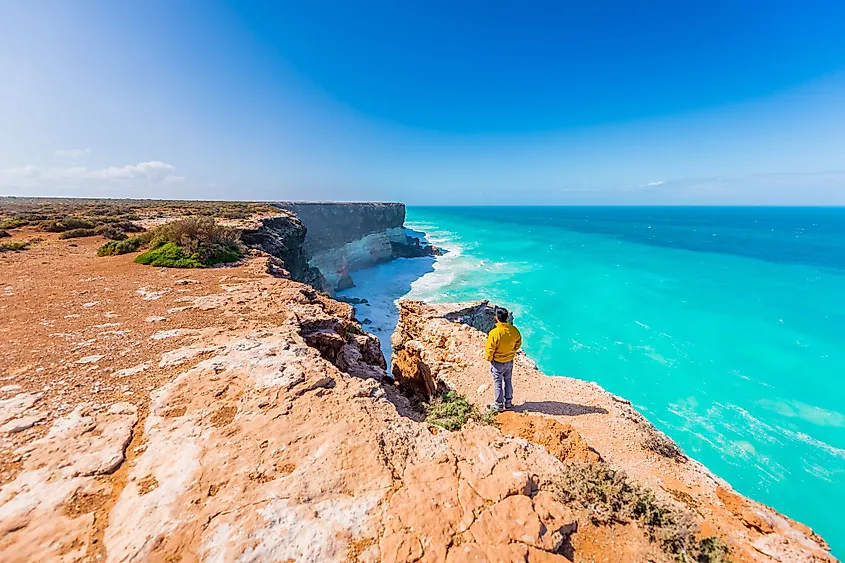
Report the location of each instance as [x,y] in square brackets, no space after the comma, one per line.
[508,406]
[495,407]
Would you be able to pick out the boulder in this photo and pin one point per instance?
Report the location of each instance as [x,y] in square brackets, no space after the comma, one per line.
[412,372]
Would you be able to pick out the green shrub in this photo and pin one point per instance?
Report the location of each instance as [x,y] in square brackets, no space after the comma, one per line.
[198,239]
[13,223]
[78,233]
[116,247]
[224,255]
[128,226]
[4,234]
[609,497]
[13,245]
[452,411]
[63,224]
[110,231]
[171,256]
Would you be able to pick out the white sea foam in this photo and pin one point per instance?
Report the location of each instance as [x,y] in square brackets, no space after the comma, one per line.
[418,278]
[807,439]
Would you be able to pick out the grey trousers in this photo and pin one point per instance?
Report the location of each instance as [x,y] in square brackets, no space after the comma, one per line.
[502,386]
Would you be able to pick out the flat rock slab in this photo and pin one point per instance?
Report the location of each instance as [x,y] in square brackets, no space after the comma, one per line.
[90,359]
[175,333]
[20,424]
[35,521]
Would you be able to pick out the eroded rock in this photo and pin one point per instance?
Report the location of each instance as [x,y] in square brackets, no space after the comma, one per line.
[35,523]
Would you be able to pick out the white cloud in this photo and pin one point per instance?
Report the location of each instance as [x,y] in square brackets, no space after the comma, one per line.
[652,184]
[72,153]
[152,172]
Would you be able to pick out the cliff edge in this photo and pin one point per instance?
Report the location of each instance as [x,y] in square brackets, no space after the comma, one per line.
[226,414]
[443,344]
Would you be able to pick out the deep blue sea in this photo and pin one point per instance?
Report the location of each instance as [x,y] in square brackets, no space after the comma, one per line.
[724,326]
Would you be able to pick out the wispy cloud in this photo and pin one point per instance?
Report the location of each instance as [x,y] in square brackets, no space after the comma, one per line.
[789,188]
[36,176]
[72,153]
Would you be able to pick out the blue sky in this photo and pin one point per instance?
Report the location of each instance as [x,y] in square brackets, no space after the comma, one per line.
[426,102]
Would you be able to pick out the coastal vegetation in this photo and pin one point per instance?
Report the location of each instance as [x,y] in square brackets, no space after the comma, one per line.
[13,245]
[452,411]
[116,247]
[192,242]
[195,240]
[609,497]
[59,215]
[78,233]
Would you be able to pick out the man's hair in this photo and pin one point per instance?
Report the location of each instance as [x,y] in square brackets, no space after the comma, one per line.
[502,315]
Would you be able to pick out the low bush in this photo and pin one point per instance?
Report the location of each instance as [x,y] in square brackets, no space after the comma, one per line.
[111,231]
[169,255]
[117,247]
[193,242]
[198,239]
[661,444]
[128,226]
[13,245]
[67,223]
[452,411]
[609,497]
[13,223]
[78,233]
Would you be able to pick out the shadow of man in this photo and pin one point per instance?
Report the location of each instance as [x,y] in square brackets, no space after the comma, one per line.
[558,408]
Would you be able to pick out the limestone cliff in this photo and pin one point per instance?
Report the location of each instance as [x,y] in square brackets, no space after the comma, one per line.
[442,345]
[344,237]
[283,236]
[235,416]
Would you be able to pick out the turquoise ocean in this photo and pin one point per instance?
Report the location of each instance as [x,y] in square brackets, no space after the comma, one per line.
[724,326]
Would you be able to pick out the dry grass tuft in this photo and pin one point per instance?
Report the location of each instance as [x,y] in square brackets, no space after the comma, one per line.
[609,497]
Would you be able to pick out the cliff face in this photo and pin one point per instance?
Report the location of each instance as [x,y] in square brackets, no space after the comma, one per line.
[283,236]
[235,416]
[344,237]
[436,345]
[332,225]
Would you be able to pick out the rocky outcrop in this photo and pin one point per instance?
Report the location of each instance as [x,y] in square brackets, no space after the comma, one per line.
[412,373]
[413,248]
[283,237]
[584,420]
[47,511]
[344,237]
[246,423]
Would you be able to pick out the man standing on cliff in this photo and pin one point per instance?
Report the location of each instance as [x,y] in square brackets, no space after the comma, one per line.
[502,344]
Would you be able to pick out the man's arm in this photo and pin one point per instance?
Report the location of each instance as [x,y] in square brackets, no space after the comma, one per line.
[492,345]
[518,344]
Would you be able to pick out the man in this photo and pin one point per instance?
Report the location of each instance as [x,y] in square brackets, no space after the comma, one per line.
[502,344]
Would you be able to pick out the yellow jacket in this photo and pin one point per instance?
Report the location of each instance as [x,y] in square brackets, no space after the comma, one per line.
[502,343]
